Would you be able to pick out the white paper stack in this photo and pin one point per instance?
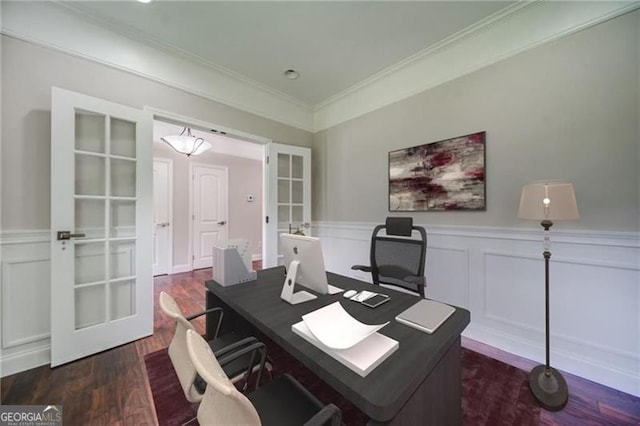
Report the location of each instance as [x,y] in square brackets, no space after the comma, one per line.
[356,345]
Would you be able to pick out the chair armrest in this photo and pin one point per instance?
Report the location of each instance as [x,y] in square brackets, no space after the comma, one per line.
[361,268]
[208,311]
[235,345]
[253,349]
[328,412]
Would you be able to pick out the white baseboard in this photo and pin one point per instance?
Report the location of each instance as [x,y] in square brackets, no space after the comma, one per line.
[177,269]
[24,360]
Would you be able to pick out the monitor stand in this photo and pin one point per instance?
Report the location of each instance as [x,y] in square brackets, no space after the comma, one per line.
[289,282]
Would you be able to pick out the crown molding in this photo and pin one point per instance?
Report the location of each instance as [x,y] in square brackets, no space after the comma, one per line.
[57,26]
[521,27]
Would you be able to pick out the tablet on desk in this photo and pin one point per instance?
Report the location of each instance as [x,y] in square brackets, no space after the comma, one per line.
[375,300]
[426,315]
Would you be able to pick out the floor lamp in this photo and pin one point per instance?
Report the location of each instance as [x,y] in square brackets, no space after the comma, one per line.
[548,201]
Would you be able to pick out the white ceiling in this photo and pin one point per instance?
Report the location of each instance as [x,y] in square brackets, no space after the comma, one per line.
[333,45]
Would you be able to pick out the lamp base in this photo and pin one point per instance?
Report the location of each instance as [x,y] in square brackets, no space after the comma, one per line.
[548,388]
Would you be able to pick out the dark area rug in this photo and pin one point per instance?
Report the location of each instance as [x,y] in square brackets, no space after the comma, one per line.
[493,393]
[172,408]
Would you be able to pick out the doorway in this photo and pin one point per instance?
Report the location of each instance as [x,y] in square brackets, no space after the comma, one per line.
[202,213]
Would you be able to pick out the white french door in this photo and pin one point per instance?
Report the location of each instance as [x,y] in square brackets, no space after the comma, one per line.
[289,194]
[162,214]
[101,215]
[210,211]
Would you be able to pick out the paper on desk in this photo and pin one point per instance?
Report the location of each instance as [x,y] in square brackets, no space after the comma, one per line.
[336,329]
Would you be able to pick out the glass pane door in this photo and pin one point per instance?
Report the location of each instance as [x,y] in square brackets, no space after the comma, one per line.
[105,206]
[101,180]
[289,196]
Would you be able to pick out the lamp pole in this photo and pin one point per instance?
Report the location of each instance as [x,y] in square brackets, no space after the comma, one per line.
[546,383]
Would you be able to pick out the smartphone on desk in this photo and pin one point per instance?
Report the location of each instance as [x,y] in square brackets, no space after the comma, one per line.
[376,300]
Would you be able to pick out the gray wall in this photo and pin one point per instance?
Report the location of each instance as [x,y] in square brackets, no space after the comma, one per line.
[29,71]
[566,110]
[245,218]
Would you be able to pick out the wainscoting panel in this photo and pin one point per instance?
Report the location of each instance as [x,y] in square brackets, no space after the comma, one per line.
[498,274]
[450,286]
[24,320]
[25,290]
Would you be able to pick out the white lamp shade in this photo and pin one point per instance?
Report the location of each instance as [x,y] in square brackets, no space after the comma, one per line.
[186,143]
[550,200]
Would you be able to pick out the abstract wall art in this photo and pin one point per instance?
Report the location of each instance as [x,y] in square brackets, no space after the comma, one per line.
[439,176]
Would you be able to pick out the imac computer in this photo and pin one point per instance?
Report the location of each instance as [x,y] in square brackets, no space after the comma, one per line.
[305,266]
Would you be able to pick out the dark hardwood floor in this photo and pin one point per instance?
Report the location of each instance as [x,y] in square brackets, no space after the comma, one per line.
[111,388]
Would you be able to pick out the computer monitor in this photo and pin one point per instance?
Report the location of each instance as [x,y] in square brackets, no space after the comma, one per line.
[305,266]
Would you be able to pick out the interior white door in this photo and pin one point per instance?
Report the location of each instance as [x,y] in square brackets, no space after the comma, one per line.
[101,215]
[289,194]
[210,211]
[162,222]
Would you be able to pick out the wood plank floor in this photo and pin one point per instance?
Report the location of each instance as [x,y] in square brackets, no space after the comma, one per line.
[111,388]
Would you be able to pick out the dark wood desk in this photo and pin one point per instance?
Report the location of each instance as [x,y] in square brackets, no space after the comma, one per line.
[418,384]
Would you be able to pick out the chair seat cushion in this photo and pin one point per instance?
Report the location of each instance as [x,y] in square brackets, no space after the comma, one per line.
[283,402]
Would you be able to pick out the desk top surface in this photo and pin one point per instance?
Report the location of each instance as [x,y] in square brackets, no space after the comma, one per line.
[382,392]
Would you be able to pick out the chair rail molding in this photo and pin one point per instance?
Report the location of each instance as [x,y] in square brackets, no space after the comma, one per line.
[498,274]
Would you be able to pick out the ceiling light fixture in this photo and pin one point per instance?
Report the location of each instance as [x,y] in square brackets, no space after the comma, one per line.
[144,1]
[291,74]
[186,143]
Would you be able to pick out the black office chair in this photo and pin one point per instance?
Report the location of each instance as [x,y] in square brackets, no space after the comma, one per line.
[396,258]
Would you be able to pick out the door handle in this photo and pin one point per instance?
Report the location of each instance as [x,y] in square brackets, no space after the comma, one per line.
[66,235]
[163,225]
[222,222]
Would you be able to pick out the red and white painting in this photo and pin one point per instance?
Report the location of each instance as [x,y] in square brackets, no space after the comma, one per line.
[439,176]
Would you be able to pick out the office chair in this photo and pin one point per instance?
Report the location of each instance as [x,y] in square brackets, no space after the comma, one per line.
[238,355]
[397,259]
[281,402]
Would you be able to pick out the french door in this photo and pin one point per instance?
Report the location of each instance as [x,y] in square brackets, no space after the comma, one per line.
[101,223]
[289,195]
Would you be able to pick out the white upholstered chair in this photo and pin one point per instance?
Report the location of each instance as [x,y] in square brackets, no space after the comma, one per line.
[281,402]
[239,356]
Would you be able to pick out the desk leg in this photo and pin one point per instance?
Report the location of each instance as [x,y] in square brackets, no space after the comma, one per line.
[231,321]
[438,400]
[211,319]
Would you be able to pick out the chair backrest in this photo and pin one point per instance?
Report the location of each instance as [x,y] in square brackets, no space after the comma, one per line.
[222,403]
[396,255]
[178,352]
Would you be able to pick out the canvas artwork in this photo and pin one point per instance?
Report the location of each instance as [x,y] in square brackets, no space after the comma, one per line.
[439,176]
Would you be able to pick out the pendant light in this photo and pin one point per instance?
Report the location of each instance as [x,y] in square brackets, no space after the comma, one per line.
[186,143]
